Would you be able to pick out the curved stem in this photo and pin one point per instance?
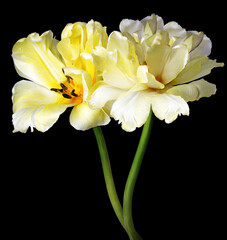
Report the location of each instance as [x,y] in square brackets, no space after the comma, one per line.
[108,175]
[132,177]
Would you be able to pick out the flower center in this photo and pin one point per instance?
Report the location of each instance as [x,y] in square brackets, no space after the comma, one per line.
[70,91]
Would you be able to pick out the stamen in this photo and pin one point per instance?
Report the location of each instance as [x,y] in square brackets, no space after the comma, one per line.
[69,79]
[66,96]
[63,86]
[56,90]
[73,93]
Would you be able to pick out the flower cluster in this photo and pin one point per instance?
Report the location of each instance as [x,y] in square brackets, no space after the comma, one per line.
[147,65]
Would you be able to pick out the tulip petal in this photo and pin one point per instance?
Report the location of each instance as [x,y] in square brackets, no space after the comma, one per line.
[126,55]
[194,90]
[175,63]
[101,93]
[156,57]
[36,58]
[35,106]
[195,69]
[132,109]
[84,118]
[145,77]
[167,107]
[132,27]
[175,31]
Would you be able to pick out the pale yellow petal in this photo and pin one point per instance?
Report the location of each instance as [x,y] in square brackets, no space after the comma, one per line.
[156,58]
[194,90]
[195,69]
[69,52]
[84,118]
[110,69]
[127,59]
[147,78]
[174,63]
[36,58]
[35,106]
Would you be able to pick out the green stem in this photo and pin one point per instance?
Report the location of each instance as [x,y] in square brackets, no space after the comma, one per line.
[108,174]
[132,177]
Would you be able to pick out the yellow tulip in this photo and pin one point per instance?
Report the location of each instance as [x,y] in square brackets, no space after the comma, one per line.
[60,77]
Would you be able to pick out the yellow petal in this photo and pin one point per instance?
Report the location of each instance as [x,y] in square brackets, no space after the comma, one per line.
[80,38]
[35,106]
[36,58]
[83,118]
[96,36]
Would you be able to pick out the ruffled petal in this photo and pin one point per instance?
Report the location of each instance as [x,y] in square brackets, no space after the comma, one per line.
[167,107]
[132,109]
[84,118]
[35,106]
[194,90]
[36,58]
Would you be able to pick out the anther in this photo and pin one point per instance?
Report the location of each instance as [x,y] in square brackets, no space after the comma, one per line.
[69,79]
[66,96]
[73,93]
[56,90]
[63,86]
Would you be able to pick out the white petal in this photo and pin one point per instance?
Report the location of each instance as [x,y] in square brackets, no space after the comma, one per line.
[36,58]
[101,93]
[168,107]
[132,109]
[35,106]
[131,26]
[84,118]
[204,48]
[194,90]
[176,32]
[160,23]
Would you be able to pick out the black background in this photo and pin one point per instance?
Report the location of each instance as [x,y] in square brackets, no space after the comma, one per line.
[52,183]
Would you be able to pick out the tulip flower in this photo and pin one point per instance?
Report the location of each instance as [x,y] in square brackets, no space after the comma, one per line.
[56,80]
[151,66]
